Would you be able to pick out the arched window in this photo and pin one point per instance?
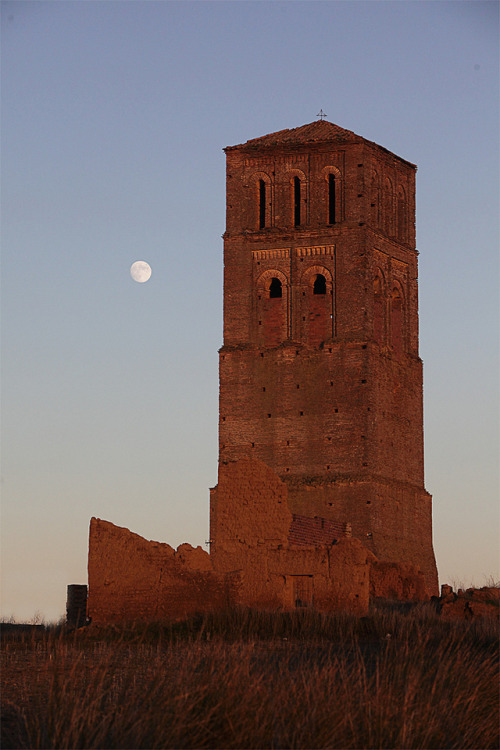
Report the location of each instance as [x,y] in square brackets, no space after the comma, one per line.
[332,216]
[262,204]
[319,284]
[331,198]
[271,308]
[275,288]
[296,201]
[262,191]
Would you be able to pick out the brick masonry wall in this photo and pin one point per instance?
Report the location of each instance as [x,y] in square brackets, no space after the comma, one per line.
[132,579]
[327,389]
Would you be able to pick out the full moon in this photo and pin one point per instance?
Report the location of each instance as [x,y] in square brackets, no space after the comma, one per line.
[140,271]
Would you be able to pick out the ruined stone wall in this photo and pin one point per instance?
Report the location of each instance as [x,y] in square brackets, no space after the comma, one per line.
[251,528]
[132,579]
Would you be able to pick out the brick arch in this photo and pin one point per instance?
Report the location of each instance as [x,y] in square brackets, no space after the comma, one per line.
[265,278]
[307,278]
[316,310]
[262,205]
[397,318]
[272,317]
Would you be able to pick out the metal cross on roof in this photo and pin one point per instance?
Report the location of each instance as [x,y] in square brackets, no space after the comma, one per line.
[321,114]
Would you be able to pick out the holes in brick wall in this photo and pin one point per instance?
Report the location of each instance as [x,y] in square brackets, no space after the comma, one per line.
[330,504]
[330,349]
[329,437]
[363,380]
[287,469]
[368,502]
[336,411]
[260,322]
[263,388]
[360,195]
[269,416]
[223,419]
[301,413]
[328,467]
[303,317]
[364,346]
[364,463]
[288,442]
[331,382]
[253,445]
[262,354]
[363,437]
[360,165]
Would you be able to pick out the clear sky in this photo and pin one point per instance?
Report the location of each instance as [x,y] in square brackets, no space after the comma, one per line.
[114,116]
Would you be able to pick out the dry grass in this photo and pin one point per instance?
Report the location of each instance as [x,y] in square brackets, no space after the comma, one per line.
[254,680]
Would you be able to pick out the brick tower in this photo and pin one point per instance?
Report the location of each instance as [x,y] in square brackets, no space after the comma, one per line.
[320,375]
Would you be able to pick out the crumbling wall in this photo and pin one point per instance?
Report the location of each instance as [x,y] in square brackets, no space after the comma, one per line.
[251,537]
[468,604]
[132,579]
[398,581]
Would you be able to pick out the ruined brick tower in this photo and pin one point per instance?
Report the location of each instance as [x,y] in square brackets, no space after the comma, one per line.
[320,375]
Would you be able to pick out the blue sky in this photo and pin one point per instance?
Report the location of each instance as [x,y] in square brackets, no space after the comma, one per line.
[114,116]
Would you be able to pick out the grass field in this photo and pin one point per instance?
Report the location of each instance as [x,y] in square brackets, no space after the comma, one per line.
[243,679]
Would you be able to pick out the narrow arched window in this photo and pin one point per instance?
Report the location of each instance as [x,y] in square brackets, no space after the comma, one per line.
[275,288]
[319,284]
[262,204]
[296,201]
[331,199]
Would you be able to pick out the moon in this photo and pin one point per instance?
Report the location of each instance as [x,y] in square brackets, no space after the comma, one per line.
[140,271]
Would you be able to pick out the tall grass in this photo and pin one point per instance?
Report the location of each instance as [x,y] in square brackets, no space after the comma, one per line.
[253,680]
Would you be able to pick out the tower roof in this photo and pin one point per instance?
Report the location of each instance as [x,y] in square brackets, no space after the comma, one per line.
[319,131]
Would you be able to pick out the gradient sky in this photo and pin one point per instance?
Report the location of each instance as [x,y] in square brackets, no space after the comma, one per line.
[114,116]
